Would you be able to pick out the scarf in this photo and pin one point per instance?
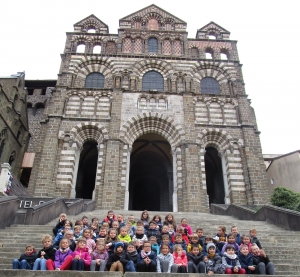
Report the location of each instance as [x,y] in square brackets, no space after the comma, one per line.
[232,257]
[64,250]
[139,236]
[211,256]
[145,254]
[132,254]
[119,254]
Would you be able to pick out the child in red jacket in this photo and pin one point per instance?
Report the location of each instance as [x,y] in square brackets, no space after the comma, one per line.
[180,260]
[81,257]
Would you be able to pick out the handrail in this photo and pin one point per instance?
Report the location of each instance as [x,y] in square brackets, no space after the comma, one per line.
[284,218]
[8,210]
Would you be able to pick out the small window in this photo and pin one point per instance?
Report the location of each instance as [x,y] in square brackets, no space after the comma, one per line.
[208,55]
[94,80]
[223,56]
[80,48]
[97,49]
[152,45]
[153,80]
[272,181]
[209,85]
[212,36]
[92,30]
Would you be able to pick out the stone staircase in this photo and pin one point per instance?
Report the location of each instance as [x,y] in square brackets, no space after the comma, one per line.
[282,246]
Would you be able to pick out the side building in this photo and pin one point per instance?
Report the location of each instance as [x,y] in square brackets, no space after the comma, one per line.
[14,132]
[150,119]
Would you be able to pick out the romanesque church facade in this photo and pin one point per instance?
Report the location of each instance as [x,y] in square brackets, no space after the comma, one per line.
[148,119]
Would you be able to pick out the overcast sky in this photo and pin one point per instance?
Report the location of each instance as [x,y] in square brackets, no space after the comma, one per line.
[32,37]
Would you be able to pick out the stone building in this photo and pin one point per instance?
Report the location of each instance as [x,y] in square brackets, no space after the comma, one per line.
[149,119]
[14,133]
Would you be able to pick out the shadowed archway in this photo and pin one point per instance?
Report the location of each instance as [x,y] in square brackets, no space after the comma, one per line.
[87,168]
[151,174]
[214,176]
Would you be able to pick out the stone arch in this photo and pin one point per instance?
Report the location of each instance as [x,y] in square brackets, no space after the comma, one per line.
[216,138]
[151,122]
[163,67]
[96,64]
[70,155]
[88,131]
[232,168]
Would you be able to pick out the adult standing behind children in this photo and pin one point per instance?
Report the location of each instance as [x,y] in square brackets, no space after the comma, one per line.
[262,263]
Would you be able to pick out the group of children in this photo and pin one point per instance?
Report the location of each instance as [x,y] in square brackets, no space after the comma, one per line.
[145,246]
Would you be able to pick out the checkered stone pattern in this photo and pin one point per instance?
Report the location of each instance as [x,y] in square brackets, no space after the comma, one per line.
[167,48]
[127,45]
[88,106]
[230,114]
[177,47]
[103,107]
[138,46]
[73,106]
[201,115]
[215,111]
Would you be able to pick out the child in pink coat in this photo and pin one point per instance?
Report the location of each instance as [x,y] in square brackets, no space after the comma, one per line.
[180,260]
[81,257]
[185,225]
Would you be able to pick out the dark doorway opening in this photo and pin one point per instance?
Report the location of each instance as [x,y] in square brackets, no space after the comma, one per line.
[214,176]
[86,176]
[151,174]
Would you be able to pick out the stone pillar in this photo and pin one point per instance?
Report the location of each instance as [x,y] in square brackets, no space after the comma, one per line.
[175,187]
[192,179]
[5,173]
[126,200]
[225,180]
[111,176]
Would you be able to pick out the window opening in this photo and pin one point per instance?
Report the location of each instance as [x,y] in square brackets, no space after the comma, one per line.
[153,80]
[152,45]
[94,80]
[209,85]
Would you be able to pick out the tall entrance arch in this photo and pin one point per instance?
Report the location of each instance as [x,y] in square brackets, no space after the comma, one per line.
[160,127]
[151,174]
[214,176]
[86,176]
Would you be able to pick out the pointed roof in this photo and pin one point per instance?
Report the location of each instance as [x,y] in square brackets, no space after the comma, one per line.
[214,28]
[151,11]
[91,21]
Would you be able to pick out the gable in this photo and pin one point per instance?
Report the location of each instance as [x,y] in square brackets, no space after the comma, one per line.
[91,22]
[153,12]
[212,28]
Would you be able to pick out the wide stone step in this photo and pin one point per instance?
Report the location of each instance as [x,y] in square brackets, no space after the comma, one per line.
[39,273]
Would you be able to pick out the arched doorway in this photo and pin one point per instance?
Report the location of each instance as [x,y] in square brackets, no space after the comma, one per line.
[214,176]
[151,174]
[87,168]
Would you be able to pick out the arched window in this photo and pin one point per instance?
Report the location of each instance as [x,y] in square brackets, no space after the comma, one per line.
[97,49]
[94,80]
[152,45]
[80,48]
[153,80]
[209,85]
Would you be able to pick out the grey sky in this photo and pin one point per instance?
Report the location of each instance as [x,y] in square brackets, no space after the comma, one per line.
[33,36]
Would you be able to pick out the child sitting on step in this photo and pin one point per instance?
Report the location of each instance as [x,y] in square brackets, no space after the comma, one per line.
[213,261]
[246,259]
[48,252]
[254,239]
[59,224]
[180,260]
[231,241]
[221,237]
[231,262]
[194,242]
[63,257]
[81,257]
[26,259]
[99,257]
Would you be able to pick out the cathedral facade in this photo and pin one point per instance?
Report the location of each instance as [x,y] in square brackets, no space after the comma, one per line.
[149,119]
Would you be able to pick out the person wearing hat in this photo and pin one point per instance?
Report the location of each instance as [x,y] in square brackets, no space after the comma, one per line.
[114,263]
[213,261]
